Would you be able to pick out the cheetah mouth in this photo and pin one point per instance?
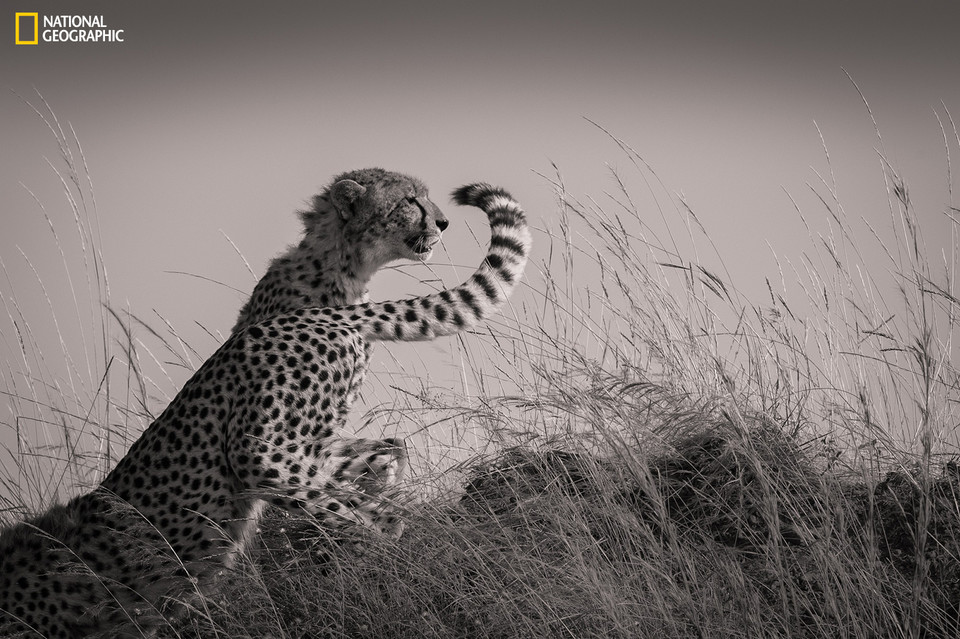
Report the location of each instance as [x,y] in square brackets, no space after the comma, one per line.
[422,244]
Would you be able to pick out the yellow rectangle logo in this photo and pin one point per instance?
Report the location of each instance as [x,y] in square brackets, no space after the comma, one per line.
[23,28]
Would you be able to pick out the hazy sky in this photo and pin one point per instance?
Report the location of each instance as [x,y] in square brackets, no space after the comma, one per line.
[228,116]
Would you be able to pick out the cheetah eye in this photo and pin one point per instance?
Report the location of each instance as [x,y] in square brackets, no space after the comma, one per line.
[405,202]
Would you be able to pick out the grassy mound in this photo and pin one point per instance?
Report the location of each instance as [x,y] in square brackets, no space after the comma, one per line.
[727,530]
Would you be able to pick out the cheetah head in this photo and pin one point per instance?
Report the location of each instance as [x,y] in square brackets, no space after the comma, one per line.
[390,214]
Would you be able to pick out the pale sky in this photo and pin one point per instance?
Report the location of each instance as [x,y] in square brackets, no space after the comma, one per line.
[223,118]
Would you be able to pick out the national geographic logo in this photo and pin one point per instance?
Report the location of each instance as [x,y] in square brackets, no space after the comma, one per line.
[28,28]
[63,28]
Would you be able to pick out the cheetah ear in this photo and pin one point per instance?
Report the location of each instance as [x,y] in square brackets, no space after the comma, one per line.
[344,194]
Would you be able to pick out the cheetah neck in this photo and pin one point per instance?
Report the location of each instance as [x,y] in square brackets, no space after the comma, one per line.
[330,270]
[324,269]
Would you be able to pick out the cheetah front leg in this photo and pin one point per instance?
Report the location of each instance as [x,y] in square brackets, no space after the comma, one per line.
[363,488]
[342,480]
[294,380]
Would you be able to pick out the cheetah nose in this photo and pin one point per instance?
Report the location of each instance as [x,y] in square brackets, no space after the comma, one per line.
[442,224]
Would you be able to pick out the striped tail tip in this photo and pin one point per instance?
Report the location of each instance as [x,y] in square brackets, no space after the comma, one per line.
[477,194]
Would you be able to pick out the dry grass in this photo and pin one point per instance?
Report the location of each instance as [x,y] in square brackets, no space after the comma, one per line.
[668,459]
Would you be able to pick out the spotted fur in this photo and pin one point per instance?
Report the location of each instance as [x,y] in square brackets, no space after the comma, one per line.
[257,423]
[361,221]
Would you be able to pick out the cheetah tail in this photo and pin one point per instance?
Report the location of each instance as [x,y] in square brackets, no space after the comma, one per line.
[483,294]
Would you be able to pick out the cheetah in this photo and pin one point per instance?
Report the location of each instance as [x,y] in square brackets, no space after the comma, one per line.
[256,423]
[362,220]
